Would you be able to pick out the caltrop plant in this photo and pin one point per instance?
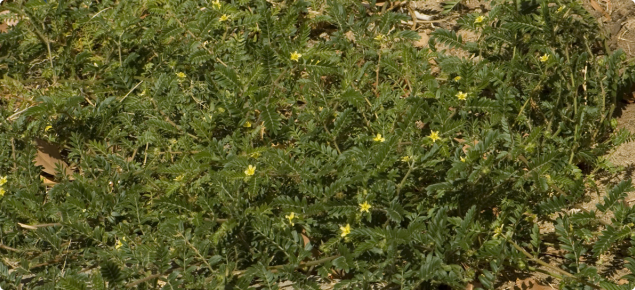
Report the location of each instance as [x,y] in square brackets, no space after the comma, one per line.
[237,144]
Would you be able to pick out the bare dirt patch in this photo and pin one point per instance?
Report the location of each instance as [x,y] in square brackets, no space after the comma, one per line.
[618,18]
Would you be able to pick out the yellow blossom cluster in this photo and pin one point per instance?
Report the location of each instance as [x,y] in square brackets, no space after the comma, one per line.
[345,230]
[120,243]
[290,217]
[3,181]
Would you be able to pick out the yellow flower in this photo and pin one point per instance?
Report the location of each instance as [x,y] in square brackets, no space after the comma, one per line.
[457,78]
[247,124]
[364,207]
[2,192]
[250,170]
[295,56]
[461,96]
[3,180]
[434,135]
[345,230]
[216,4]
[479,19]
[544,58]
[119,244]
[405,158]
[560,9]
[179,178]
[291,216]
[180,75]
[462,159]
[379,37]
[255,155]
[223,18]
[379,138]
[49,127]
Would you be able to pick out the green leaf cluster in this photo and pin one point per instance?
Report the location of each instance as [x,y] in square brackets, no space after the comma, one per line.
[236,144]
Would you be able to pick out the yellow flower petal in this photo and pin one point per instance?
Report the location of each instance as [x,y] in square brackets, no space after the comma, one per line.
[3,180]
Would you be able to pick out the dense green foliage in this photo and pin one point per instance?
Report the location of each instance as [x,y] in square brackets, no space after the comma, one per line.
[219,145]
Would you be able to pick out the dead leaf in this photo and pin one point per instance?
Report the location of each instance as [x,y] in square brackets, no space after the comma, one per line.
[305,239]
[46,181]
[473,285]
[49,157]
[468,146]
[350,35]
[598,8]
[4,27]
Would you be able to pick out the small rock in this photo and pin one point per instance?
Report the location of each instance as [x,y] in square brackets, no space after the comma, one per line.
[423,42]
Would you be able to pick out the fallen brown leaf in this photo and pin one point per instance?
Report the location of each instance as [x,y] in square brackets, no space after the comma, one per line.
[473,285]
[49,157]
[598,8]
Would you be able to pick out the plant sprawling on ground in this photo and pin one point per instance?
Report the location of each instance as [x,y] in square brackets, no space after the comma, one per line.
[224,144]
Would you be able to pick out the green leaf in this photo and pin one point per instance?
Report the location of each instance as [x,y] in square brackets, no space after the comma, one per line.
[111,272]
[271,118]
